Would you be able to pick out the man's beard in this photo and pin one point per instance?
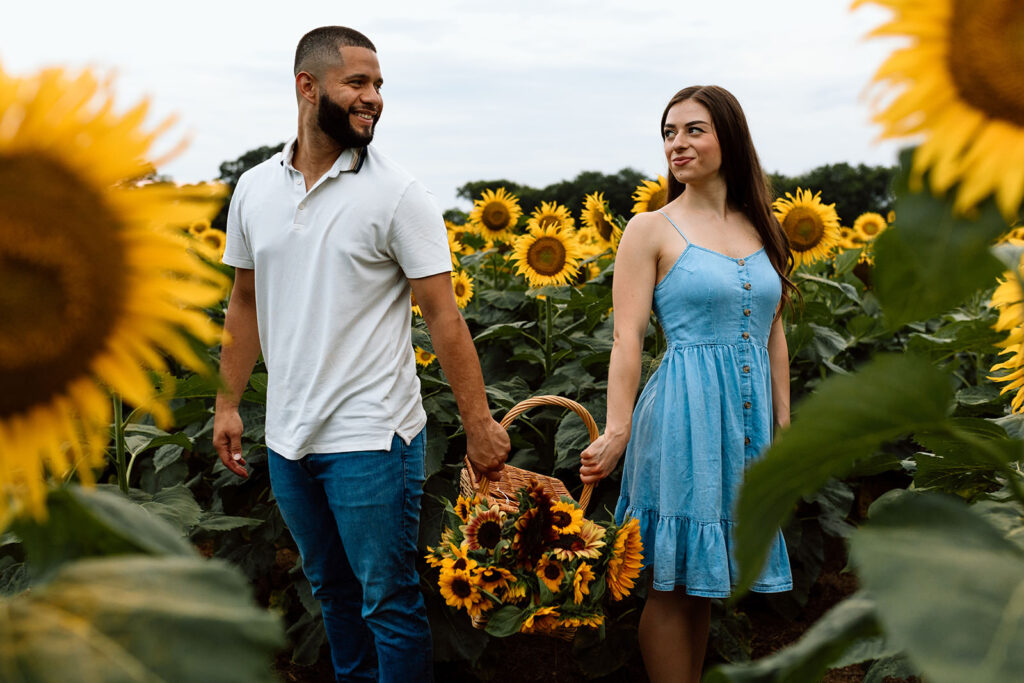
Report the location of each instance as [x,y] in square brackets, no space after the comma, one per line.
[336,123]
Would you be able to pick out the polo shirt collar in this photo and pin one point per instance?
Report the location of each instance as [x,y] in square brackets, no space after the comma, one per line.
[349,161]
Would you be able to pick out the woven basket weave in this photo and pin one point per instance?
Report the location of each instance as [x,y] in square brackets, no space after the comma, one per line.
[503,492]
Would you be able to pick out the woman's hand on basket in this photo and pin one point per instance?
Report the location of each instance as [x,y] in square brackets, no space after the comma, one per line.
[599,459]
[487,447]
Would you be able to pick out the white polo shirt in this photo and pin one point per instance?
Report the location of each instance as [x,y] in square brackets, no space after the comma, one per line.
[332,296]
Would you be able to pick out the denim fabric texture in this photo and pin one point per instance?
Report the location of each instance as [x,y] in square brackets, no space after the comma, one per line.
[355,518]
[703,417]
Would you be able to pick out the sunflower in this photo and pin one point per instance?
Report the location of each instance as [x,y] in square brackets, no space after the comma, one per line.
[461,589]
[870,225]
[567,518]
[960,85]
[547,256]
[464,505]
[845,237]
[462,286]
[435,556]
[514,593]
[1008,299]
[550,571]
[415,307]
[199,227]
[495,578]
[581,582]
[551,215]
[812,227]
[456,234]
[598,218]
[99,285]
[213,242]
[424,357]
[592,621]
[541,620]
[586,543]
[483,529]
[626,560]
[650,195]
[454,246]
[459,559]
[495,214]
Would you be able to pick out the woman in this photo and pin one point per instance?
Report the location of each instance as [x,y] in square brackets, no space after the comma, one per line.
[713,263]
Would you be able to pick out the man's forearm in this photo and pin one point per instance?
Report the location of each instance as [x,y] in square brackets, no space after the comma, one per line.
[458,358]
[240,350]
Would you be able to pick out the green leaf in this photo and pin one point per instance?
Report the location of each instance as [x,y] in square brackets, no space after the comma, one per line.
[570,440]
[506,621]
[196,386]
[437,446]
[839,630]
[949,588]
[215,521]
[131,619]
[140,437]
[846,419]
[503,330]
[933,260]
[94,523]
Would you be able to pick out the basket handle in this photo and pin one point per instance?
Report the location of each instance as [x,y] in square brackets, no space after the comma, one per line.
[521,407]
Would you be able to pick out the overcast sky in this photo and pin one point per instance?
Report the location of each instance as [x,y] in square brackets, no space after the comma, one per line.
[532,91]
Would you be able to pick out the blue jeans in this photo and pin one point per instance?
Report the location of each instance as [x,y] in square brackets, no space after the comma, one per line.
[355,518]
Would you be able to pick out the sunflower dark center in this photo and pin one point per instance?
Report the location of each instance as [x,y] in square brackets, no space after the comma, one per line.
[561,519]
[459,564]
[461,587]
[604,227]
[552,572]
[489,534]
[495,216]
[62,267]
[460,289]
[871,227]
[490,575]
[549,221]
[804,228]
[986,56]
[657,199]
[547,256]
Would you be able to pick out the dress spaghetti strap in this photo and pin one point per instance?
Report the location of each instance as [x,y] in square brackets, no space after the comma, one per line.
[681,233]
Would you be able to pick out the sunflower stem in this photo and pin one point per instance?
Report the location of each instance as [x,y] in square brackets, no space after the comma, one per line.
[547,337]
[119,449]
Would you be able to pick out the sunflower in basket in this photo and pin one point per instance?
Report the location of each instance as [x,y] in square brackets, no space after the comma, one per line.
[542,569]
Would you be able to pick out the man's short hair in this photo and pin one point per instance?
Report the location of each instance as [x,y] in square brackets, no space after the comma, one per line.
[321,48]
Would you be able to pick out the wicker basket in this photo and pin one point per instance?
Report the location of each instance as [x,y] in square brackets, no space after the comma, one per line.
[503,492]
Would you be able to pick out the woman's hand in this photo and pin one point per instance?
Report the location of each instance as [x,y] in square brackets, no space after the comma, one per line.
[600,458]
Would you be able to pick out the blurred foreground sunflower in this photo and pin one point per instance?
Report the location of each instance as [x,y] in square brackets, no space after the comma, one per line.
[626,560]
[462,287]
[598,219]
[98,282]
[870,225]
[551,214]
[495,214]
[960,84]
[811,226]
[650,195]
[1008,299]
[547,256]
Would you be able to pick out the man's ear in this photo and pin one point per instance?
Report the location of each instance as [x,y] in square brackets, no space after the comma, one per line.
[307,87]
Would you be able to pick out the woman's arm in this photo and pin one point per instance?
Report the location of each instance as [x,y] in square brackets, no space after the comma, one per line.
[778,360]
[636,267]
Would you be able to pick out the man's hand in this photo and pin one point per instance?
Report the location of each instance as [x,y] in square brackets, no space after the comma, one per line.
[487,447]
[227,439]
[600,458]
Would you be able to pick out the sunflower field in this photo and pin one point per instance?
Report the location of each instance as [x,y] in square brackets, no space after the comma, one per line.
[128,552]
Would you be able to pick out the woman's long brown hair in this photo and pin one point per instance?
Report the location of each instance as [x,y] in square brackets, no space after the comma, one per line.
[747,186]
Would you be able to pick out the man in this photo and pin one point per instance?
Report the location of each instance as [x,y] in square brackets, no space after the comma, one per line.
[326,238]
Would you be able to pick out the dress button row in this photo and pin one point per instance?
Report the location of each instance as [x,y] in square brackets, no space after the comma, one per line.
[746,312]
[745,335]
[746,285]
[746,368]
[741,262]
[746,441]
[746,404]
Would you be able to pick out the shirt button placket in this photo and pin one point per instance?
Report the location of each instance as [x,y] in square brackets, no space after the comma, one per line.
[744,351]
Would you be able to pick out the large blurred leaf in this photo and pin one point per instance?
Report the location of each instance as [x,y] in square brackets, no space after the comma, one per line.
[931,260]
[846,419]
[949,588]
[136,619]
[838,631]
[94,523]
